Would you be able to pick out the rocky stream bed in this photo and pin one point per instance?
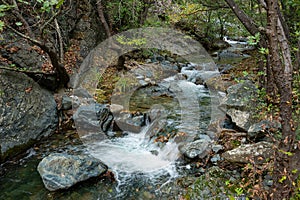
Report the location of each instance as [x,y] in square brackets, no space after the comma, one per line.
[162,143]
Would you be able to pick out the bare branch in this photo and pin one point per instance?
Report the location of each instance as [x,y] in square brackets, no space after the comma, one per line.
[60,40]
[25,71]
[34,41]
[50,20]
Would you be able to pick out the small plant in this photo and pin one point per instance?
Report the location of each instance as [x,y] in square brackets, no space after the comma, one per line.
[263,51]
[254,40]
[239,191]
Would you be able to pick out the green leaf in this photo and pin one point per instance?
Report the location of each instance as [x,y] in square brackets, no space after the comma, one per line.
[19,23]
[1,25]
[283,178]
[286,152]
[59,3]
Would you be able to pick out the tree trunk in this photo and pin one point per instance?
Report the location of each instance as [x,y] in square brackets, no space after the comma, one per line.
[280,60]
[144,12]
[246,21]
[103,19]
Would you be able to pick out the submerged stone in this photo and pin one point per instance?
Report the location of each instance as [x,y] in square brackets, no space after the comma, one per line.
[61,171]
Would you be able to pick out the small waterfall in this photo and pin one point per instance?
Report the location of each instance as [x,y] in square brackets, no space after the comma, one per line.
[134,158]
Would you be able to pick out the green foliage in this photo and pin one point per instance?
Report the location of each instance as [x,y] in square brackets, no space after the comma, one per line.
[286,152]
[125,14]
[263,51]
[47,5]
[282,179]
[296,185]
[3,9]
[254,40]
[19,23]
[239,191]
[1,25]
[131,42]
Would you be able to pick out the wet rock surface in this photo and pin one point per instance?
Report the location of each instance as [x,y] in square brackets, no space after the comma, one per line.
[199,148]
[93,119]
[28,113]
[61,171]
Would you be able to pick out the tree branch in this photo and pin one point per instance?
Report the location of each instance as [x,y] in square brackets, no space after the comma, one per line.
[34,41]
[53,17]
[246,21]
[61,49]
[25,71]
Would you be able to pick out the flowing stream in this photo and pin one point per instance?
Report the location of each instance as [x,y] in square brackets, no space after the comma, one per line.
[143,168]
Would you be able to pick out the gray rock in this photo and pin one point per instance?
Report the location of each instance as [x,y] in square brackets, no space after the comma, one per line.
[243,153]
[215,158]
[199,148]
[61,171]
[27,113]
[66,103]
[93,119]
[216,148]
[116,108]
[241,118]
[240,95]
[130,123]
[219,44]
[82,93]
[259,129]
[240,104]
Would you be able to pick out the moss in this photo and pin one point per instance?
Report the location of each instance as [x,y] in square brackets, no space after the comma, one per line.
[211,185]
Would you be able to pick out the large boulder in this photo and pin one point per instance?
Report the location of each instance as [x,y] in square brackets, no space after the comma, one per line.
[61,171]
[240,104]
[126,121]
[244,153]
[92,121]
[27,113]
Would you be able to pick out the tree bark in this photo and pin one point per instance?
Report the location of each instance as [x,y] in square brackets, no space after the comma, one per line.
[280,60]
[246,21]
[103,19]
[62,75]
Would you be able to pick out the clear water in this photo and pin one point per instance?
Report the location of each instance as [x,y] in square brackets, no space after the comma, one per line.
[142,168]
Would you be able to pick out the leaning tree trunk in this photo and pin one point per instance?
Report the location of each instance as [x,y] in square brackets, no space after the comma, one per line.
[280,60]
